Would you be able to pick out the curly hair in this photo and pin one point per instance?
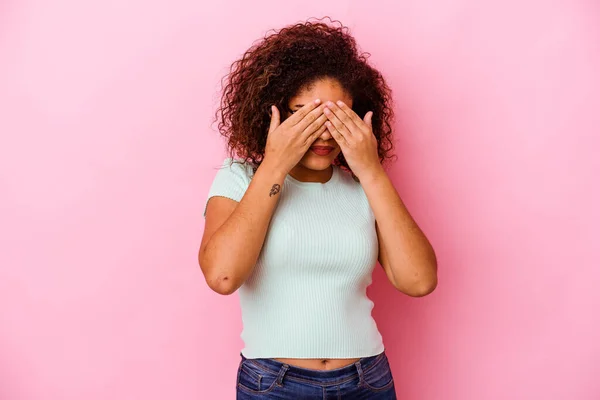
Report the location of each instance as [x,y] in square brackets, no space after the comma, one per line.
[277,67]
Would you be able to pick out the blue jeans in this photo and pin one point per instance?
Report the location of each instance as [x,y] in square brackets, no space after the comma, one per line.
[265,378]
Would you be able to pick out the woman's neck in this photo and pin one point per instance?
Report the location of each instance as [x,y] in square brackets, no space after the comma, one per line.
[303,174]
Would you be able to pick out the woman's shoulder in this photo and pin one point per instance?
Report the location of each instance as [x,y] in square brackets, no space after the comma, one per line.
[237,167]
[353,191]
[347,178]
[233,174]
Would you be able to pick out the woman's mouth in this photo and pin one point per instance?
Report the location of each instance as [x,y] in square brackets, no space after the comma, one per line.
[321,150]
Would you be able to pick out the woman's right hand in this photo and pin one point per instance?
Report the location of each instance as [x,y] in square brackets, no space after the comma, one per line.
[287,142]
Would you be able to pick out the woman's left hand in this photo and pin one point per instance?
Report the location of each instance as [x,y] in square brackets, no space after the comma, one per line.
[355,137]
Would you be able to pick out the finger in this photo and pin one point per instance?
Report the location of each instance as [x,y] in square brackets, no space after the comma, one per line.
[350,113]
[369,119]
[337,123]
[339,138]
[310,118]
[275,118]
[311,139]
[303,112]
[343,117]
[315,125]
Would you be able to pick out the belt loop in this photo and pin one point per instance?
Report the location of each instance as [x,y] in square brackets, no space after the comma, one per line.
[361,378]
[282,372]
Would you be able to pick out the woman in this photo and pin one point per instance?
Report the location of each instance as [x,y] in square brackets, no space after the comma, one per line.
[298,220]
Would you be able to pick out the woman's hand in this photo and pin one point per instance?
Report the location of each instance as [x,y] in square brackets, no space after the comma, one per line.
[289,141]
[355,137]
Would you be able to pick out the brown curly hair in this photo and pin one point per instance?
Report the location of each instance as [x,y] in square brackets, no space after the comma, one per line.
[276,68]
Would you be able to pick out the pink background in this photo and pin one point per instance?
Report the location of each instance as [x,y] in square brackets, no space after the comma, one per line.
[107,154]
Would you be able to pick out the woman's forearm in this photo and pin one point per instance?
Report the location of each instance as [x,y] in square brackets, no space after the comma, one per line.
[409,258]
[230,254]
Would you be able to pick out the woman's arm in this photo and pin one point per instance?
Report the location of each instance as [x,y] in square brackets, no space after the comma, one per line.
[234,232]
[405,253]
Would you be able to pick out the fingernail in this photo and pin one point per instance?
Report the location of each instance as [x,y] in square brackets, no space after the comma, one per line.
[317,101]
[329,103]
[340,103]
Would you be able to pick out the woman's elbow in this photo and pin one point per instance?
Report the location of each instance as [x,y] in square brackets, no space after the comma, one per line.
[218,283]
[420,287]
[423,288]
[429,280]
[223,286]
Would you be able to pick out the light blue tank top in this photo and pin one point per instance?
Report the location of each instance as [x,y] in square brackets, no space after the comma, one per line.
[306,297]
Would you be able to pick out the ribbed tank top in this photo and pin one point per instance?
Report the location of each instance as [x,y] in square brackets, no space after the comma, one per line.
[306,297]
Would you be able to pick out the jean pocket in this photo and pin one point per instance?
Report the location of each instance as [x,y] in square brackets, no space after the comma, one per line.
[253,379]
[379,376]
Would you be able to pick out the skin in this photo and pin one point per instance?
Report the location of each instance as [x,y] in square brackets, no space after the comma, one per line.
[313,167]
[404,252]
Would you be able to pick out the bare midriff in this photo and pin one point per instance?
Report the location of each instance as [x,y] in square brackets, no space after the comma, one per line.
[321,364]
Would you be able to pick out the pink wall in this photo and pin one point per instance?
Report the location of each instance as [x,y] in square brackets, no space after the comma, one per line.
[106,158]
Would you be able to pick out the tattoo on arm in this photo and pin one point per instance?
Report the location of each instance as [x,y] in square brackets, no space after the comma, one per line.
[275,189]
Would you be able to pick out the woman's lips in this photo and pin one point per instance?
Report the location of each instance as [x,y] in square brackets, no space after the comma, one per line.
[321,150]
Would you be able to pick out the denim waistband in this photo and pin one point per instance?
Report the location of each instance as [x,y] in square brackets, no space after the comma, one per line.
[357,368]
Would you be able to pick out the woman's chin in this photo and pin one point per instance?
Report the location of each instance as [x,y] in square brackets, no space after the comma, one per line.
[316,163]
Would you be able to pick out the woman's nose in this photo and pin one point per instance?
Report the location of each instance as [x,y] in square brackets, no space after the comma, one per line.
[325,136]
